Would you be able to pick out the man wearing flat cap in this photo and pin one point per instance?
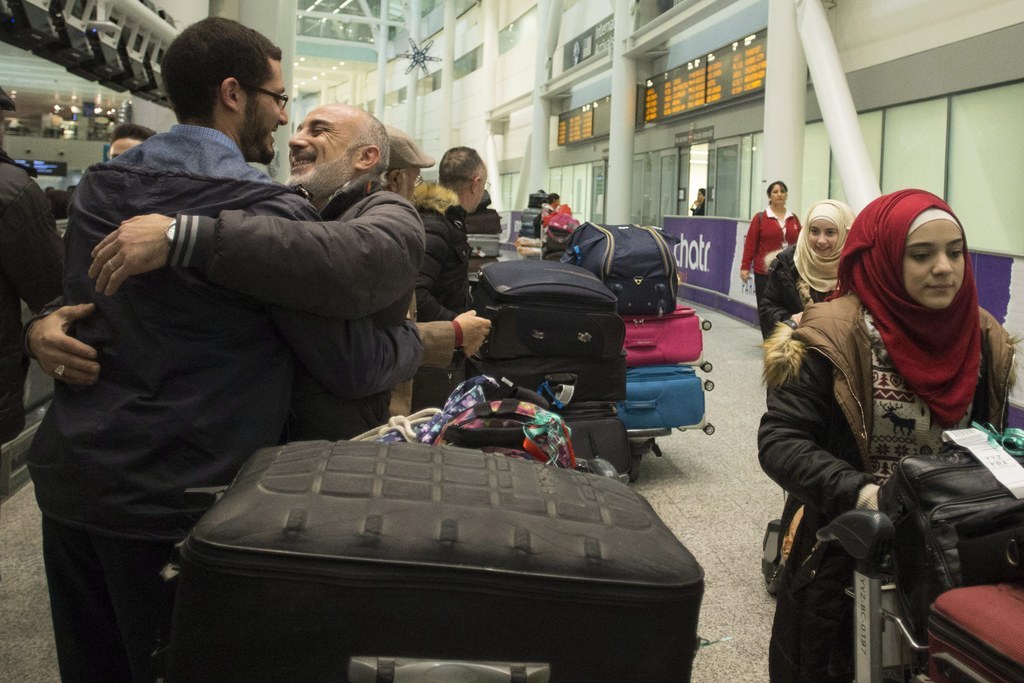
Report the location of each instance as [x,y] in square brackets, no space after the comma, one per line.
[443,340]
[30,271]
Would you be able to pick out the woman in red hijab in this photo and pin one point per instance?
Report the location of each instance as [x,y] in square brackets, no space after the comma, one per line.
[898,354]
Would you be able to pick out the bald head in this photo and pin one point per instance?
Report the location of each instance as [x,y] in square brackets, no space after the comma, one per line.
[334,144]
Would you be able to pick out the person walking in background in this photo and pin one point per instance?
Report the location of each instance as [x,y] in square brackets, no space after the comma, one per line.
[805,273]
[30,270]
[899,354]
[697,208]
[770,230]
[126,136]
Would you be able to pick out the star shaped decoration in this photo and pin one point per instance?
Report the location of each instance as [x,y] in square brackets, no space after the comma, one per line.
[419,56]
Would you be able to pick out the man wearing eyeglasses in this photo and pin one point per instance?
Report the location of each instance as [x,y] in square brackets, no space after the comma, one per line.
[442,287]
[196,375]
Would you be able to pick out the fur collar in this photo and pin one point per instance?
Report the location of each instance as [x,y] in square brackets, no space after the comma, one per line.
[434,197]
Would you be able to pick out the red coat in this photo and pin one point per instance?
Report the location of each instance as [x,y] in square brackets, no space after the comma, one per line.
[764,237]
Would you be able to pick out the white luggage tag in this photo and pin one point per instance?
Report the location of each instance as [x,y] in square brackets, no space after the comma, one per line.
[1001,464]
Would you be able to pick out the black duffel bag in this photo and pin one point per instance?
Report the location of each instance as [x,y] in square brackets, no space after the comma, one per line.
[956,525]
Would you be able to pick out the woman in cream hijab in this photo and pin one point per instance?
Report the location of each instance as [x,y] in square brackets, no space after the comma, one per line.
[805,273]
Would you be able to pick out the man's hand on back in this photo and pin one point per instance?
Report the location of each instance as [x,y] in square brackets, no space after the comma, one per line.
[138,246]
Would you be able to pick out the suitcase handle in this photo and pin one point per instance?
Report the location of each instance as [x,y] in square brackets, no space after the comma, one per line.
[641,405]
[398,669]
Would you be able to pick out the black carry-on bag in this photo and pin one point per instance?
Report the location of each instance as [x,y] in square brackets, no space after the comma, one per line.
[545,308]
[324,561]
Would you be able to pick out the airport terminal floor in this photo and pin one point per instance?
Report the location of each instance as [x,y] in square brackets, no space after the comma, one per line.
[708,489]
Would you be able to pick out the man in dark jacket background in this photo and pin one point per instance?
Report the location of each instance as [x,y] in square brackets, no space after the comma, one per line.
[30,270]
[442,287]
[195,376]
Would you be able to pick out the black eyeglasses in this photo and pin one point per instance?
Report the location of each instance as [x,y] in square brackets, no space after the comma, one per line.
[282,100]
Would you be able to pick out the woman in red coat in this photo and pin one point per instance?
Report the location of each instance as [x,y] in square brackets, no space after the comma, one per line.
[770,230]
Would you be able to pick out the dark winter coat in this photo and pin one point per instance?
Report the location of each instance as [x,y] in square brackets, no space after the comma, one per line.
[813,441]
[781,299]
[195,377]
[442,288]
[30,271]
[357,265]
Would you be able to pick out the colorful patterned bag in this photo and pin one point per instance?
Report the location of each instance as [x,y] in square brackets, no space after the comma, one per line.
[514,428]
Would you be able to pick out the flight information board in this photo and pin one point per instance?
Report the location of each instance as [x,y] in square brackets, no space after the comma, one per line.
[586,122]
[730,71]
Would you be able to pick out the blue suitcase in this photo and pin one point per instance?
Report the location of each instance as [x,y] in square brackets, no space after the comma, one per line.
[662,397]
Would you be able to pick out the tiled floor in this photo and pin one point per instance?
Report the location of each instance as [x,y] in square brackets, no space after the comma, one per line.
[709,490]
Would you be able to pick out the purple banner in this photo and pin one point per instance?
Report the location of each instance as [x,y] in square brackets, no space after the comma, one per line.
[705,251]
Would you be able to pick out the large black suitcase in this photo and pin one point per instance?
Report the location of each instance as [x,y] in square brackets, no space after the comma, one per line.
[544,308]
[591,379]
[320,552]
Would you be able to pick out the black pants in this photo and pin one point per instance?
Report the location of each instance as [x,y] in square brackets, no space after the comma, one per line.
[760,284]
[107,601]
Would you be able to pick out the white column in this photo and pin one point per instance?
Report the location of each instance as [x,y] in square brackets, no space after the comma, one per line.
[623,121]
[410,88]
[541,130]
[382,60]
[446,126]
[836,103]
[277,21]
[490,93]
[785,96]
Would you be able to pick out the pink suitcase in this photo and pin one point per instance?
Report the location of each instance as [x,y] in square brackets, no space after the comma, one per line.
[670,339]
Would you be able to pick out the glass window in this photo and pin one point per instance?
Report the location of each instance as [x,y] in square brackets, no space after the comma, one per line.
[816,167]
[468,63]
[522,30]
[914,150]
[984,179]
[871,129]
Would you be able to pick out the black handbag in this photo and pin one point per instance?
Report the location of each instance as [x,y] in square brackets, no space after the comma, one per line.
[956,525]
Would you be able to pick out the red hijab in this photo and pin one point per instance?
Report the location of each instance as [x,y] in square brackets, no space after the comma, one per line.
[937,352]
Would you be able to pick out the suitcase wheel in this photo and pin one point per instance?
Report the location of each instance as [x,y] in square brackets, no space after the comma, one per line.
[709,429]
[708,385]
[634,466]
[706,366]
[705,325]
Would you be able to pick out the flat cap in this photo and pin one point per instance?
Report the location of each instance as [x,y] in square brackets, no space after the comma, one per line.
[404,152]
[5,101]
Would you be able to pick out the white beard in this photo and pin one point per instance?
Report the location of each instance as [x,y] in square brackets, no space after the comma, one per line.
[324,179]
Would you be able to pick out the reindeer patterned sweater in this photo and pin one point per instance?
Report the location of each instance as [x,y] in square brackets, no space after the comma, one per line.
[838,413]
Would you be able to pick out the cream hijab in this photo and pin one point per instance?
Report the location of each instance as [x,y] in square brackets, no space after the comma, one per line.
[820,271]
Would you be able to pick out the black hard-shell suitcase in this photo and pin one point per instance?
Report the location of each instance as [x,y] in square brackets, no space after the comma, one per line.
[544,308]
[597,432]
[321,552]
[591,379]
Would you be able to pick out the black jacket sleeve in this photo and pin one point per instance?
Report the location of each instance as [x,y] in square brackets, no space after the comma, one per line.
[351,358]
[805,444]
[428,307]
[31,255]
[776,300]
[343,268]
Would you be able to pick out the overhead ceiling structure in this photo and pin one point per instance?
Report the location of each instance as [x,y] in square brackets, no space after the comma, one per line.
[98,54]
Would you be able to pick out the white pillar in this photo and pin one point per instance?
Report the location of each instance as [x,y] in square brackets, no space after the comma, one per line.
[540,132]
[277,21]
[836,103]
[414,73]
[446,123]
[382,60]
[490,91]
[785,96]
[623,121]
